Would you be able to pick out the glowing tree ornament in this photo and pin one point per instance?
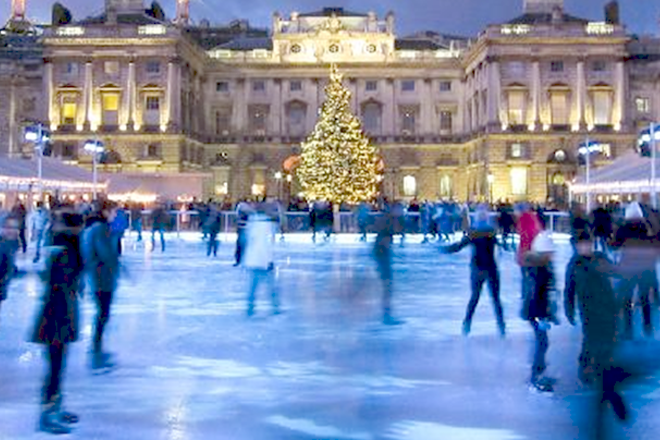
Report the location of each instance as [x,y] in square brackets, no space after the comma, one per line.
[338,163]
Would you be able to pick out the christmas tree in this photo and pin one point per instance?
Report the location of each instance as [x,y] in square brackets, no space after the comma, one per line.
[338,163]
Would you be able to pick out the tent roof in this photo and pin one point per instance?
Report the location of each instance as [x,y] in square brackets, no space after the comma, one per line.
[629,173]
[167,186]
[21,174]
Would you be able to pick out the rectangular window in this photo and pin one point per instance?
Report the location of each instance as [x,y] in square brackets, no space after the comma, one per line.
[642,105]
[222,86]
[518,181]
[111,67]
[71,68]
[602,107]
[446,122]
[517,68]
[258,118]
[258,86]
[222,122]
[371,86]
[111,102]
[516,110]
[69,111]
[152,103]
[516,150]
[153,150]
[408,85]
[153,67]
[559,108]
[295,86]
[68,151]
[408,120]
[557,66]
[445,86]
[599,66]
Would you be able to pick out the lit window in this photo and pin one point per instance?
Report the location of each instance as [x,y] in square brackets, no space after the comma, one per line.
[258,86]
[258,189]
[516,150]
[445,86]
[446,121]
[152,103]
[642,105]
[557,66]
[111,67]
[516,110]
[602,107]
[110,102]
[153,67]
[409,186]
[371,86]
[222,86]
[559,108]
[518,181]
[295,86]
[69,111]
[445,186]
[408,86]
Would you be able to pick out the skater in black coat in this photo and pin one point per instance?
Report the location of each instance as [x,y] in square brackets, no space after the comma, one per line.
[57,324]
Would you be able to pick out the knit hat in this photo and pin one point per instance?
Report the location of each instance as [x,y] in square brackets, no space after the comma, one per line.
[543,243]
[634,211]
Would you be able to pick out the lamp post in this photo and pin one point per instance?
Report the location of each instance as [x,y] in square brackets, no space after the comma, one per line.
[585,151]
[40,136]
[491,179]
[649,140]
[94,147]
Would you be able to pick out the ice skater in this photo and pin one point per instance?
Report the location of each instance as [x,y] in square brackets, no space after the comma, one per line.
[58,321]
[39,220]
[101,256]
[383,256]
[212,229]
[538,306]
[483,267]
[8,239]
[258,256]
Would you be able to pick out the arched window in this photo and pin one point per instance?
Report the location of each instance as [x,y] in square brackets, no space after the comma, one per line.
[409,186]
[371,117]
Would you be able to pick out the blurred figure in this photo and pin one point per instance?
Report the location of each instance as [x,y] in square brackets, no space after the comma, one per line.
[507,226]
[398,217]
[159,222]
[383,255]
[101,258]
[243,210]
[118,227]
[637,244]
[212,229]
[20,213]
[259,258]
[58,322]
[8,238]
[483,268]
[39,223]
[537,305]
[362,214]
[136,221]
[528,227]
[602,227]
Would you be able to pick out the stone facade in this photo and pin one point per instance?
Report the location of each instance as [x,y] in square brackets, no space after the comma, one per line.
[499,116]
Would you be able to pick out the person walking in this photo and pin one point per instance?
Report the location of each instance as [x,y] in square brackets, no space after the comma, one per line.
[57,323]
[602,227]
[39,220]
[212,229]
[136,220]
[528,227]
[101,257]
[483,267]
[538,306]
[20,213]
[259,256]
[8,238]
[382,252]
[243,211]
[118,226]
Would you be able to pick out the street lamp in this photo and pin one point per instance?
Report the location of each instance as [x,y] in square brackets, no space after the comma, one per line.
[490,179]
[96,148]
[585,151]
[278,177]
[40,136]
[646,144]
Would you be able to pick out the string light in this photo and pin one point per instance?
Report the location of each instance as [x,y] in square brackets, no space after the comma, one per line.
[338,162]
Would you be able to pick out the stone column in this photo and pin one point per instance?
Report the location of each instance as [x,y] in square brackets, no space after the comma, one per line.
[459,124]
[88,96]
[277,109]
[427,107]
[50,95]
[494,92]
[172,87]
[536,94]
[12,117]
[619,95]
[580,98]
[130,98]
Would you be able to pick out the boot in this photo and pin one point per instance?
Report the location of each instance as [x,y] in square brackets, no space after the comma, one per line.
[66,417]
[102,362]
[50,422]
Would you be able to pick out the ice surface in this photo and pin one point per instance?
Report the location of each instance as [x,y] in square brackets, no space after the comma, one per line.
[193,366]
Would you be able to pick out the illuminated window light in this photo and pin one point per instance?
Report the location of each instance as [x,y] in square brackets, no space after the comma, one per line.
[546,127]
[531,127]
[600,28]
[71,31]
[163,127]
[152,29]
[79,127]
[504,127]
[122,127]
[53,126]
[575,127]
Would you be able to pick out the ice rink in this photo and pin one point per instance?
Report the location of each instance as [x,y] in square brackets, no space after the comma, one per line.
[193,366]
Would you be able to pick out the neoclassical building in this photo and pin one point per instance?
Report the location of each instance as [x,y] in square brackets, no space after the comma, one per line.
[501,115]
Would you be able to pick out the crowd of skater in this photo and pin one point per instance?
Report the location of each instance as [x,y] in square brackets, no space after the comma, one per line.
[612,269]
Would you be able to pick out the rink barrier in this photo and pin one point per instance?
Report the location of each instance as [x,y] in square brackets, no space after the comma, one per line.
[300,222]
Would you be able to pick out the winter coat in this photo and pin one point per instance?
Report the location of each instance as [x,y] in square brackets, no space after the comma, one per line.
[58,319]
[212,223]
[528,228]
[160,219]
[483,248]
[7,267]
[588,282]
[101,256]
[602,223]
[260,238]
[537,303]
[639,250]
[120,222]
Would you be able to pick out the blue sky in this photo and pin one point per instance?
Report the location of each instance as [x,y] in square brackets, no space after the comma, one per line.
[463,17]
